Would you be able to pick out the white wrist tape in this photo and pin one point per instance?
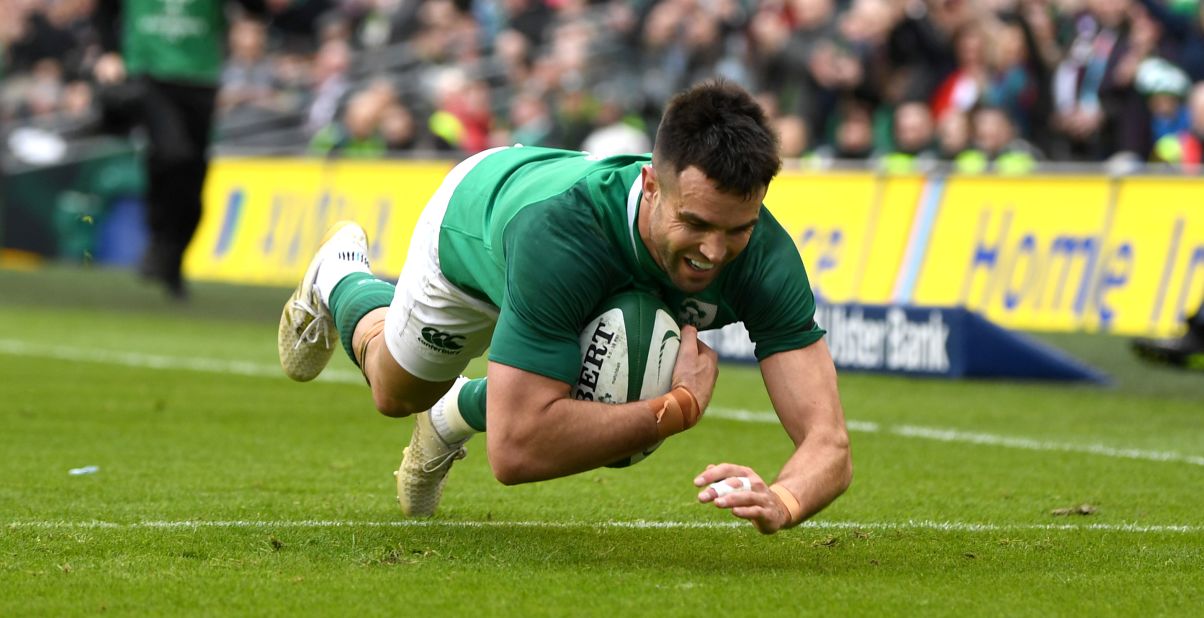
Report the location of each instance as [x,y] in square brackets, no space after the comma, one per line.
[723,488]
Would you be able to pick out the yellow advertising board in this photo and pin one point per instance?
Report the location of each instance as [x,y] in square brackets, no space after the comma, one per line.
[1157,244]
[1063,253]
[1020,251]
[263,218]
[1042,252]
[850,228]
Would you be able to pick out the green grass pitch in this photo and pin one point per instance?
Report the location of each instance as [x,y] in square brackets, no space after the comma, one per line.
[223,488]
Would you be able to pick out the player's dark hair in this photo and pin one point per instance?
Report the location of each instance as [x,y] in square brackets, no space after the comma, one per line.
[719,128]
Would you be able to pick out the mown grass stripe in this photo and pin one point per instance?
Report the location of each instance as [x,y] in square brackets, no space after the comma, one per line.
[246,368]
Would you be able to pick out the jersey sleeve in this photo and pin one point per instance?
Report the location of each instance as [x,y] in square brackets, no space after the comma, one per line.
[775,299]
[559,267]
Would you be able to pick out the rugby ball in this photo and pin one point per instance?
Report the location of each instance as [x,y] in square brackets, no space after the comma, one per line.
[628,351]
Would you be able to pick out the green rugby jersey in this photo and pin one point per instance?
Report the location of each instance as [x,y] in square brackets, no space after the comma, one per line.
[547,235]
[174,39]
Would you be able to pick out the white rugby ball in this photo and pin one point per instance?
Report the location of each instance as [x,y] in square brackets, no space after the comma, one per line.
[628,352]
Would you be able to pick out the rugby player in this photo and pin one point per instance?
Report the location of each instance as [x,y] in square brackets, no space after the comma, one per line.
[513,254]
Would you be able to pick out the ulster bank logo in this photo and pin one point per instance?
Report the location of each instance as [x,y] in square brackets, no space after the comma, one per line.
[440,341]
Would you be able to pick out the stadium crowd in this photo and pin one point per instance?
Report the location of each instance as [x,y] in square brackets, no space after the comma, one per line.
[981,84]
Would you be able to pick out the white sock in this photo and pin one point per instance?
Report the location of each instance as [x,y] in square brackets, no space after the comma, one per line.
[337,266]
[446,419]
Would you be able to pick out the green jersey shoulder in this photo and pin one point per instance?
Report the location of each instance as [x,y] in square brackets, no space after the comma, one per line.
[546,235]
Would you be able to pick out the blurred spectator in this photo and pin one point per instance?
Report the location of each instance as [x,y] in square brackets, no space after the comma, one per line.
[1012,83]
[1067,72]
[528,18]
[463,117]
[966,85]
[952,134]
[40,38]
[1098,113]
[914,140]
[531,123]
[398,129]
[853,136]
[1186,32]
[166,59]
[617,132]
[684,42]
[447,33]
[919,52]
[793,136]
[995,146]
[1186,148]
[356,134]
[330,84]
[247,79]
[1164,87]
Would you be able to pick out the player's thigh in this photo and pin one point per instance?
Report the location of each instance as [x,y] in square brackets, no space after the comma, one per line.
[396,391]
[432,331]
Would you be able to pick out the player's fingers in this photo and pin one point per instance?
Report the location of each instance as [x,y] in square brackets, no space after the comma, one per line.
[738,499]
[689,337]
[761,517]
[722,471]
[720,488]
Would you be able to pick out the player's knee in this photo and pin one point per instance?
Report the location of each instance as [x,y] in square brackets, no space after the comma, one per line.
[393,406]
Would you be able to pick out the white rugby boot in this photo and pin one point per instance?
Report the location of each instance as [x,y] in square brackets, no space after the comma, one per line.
[307,337]
[427,460]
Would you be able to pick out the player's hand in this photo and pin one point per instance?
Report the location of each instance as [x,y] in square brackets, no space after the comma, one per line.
[109,69]
[750,497]
[697,367]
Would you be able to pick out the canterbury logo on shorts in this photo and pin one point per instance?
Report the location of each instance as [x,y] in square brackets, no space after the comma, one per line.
[439,341]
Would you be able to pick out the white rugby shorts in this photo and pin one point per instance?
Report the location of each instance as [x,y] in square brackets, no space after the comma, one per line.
[433,329]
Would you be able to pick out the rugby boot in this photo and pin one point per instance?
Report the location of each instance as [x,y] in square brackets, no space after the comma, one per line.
[307,337]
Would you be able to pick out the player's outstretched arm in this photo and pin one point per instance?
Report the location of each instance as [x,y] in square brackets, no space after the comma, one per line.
[536,431]
[802,387]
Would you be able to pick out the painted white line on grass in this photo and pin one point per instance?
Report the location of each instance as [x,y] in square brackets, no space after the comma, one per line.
[158,361]
[759,416]
[922,525]
[953,435]
[245,368]
[941,434]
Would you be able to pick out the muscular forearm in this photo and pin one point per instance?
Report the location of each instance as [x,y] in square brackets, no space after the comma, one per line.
[819,471]
[565,437]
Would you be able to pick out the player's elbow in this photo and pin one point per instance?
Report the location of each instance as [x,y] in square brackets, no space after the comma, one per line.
[513,460]
[512,468]
[844,465]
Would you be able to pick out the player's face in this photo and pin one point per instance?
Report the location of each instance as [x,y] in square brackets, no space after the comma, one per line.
[691,228]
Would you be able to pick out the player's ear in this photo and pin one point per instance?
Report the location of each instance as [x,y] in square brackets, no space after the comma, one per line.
[649,182]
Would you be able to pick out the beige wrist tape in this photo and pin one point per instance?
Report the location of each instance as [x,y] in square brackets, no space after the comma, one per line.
[676,411]
[790,502]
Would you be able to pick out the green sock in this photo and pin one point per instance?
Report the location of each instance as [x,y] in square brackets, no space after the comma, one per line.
[354,297]
[472,403]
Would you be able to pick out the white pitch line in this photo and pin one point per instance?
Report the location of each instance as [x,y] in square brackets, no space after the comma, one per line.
[159,361]
[953,435]
[910,525]
[941,434]
[262,370]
